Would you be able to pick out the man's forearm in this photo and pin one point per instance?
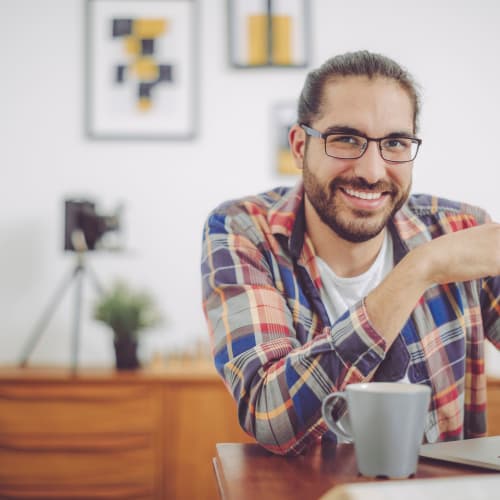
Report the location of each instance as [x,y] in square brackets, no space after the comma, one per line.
[464,255]
[391,303]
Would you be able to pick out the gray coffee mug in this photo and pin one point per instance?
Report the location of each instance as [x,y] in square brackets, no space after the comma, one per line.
[387,421]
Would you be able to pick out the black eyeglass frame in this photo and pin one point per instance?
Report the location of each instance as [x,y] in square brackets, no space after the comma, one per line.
[316,133]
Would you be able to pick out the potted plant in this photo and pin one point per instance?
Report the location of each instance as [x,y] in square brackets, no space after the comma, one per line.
[127,313]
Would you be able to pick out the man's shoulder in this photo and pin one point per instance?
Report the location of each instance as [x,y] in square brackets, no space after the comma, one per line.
[264,213]
[252,204]
[427,206]
[424,217]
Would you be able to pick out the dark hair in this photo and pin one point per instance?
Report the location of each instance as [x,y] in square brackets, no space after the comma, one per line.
[361,63]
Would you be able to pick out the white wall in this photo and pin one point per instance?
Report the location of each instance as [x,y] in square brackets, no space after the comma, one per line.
[451,46]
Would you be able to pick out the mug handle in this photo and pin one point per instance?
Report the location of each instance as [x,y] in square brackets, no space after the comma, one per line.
[326,410]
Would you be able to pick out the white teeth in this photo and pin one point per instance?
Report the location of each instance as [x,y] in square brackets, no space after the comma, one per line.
[363,195]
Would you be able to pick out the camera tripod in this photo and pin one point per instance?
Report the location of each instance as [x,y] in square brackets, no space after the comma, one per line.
[77,274]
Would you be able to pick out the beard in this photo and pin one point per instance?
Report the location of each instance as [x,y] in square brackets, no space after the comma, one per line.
[352,225]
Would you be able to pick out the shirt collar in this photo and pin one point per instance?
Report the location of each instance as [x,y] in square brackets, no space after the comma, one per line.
[288,219]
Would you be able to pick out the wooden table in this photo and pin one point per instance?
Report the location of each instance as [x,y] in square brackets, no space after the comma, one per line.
[249,472]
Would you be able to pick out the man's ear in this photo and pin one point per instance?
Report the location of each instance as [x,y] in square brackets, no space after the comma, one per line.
[297,141]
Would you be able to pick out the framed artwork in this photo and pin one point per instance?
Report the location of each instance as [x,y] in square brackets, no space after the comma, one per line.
[141,69]
[285,116]
[265,33]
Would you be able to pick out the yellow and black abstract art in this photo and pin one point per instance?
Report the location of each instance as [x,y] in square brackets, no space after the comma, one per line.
[141,69]
[141,62]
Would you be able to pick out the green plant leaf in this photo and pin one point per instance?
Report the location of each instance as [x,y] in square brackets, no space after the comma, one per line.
[125,311]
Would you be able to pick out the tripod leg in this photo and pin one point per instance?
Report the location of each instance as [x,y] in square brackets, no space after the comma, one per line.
[95,281]
[45,318]
[77,315]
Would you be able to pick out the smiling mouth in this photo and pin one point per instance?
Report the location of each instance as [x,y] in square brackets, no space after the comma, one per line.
[364,195]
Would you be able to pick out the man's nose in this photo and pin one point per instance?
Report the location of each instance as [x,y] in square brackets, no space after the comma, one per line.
[371,166]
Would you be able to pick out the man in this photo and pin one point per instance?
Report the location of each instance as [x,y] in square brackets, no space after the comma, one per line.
[346,277]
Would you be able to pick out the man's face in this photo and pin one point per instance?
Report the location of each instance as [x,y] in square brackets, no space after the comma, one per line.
[355,198]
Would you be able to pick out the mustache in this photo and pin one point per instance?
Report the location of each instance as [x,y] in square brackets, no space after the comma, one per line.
[358,183]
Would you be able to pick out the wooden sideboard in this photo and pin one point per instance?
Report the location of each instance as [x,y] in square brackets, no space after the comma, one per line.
[494,406]
[147,435]
[113,435]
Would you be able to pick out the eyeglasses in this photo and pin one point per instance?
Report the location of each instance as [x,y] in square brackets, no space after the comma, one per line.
[345,146]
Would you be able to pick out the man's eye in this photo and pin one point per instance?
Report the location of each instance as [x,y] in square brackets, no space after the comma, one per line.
[396,143]
[348,140]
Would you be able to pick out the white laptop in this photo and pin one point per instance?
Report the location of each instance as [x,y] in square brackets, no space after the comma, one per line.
[479,452]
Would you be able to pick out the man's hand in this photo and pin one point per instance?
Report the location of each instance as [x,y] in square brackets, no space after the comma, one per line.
[462,256]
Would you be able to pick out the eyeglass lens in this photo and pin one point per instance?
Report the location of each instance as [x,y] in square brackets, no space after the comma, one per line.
[352,146]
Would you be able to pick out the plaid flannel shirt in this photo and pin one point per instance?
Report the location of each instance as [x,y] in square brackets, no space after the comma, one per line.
[277,352]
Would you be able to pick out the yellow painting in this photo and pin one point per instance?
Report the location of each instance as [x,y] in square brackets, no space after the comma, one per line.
[268,33]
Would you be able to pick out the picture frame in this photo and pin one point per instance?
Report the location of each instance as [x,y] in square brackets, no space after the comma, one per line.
[268,33]
[284,117]
[141,69]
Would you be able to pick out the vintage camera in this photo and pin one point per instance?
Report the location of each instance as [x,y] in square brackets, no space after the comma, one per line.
[84,228]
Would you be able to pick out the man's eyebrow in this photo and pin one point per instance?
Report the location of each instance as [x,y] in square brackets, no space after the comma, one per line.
[345,129]
[402,133]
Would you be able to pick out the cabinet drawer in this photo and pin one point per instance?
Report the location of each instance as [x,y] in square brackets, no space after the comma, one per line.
[33,465]
[89,408]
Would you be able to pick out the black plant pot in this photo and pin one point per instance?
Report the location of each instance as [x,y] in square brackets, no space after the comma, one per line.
[126,354]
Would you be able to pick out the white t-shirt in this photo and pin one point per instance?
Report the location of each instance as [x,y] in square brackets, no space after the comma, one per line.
[339,294]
